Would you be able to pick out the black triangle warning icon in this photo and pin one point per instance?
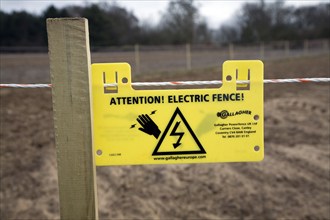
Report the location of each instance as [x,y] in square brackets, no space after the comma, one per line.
[181,140]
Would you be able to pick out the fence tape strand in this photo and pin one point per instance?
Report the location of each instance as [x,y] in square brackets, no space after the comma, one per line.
[181,83]
[26,86]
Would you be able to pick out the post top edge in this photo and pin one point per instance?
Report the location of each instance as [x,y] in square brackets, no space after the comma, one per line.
[66,19]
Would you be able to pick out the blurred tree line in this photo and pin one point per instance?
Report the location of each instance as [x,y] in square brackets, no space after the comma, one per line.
[113,25]
[264,22]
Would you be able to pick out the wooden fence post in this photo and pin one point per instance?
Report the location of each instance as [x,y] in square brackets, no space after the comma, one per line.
[231,51]
[262,50]
[306,47]
[287,47]
[137,58]
[326,45]
[70,64]
[188,57]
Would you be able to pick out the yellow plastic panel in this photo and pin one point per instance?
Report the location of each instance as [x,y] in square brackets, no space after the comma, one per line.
[180,125]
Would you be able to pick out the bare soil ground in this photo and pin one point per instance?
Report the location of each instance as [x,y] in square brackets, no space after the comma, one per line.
[293,181]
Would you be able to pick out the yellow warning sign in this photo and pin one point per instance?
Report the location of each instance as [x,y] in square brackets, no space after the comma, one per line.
[180,125]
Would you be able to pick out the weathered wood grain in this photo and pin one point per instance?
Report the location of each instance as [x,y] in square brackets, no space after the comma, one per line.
[69,54]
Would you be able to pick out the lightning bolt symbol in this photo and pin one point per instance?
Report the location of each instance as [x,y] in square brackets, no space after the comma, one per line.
[174,133]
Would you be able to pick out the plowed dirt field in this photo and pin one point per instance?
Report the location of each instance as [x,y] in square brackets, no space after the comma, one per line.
[293,181]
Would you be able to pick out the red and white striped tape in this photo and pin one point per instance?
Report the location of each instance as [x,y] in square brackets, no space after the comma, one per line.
[26,86]
[180,83]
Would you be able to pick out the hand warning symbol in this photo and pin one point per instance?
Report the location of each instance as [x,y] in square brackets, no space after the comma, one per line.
[148,125]
[174,133]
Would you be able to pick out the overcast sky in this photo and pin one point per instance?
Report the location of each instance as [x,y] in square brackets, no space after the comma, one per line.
[216,12]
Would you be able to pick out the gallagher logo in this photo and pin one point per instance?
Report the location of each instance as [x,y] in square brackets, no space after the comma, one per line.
[225,114]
